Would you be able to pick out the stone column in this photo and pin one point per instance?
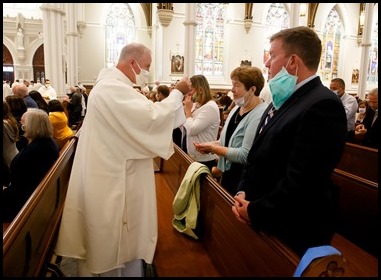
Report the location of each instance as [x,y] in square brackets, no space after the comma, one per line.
[72,43]
[53,32]
[158,55]
[294,14]
[190,33]
[366,44]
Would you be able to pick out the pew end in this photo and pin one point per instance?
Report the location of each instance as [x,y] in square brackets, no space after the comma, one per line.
[328,266]
[29,239]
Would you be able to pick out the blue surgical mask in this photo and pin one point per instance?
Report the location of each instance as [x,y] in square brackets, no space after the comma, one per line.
[282,86]
[142,77]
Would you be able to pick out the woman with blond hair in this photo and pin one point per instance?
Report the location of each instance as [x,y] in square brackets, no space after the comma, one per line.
[202,120]
[31,164]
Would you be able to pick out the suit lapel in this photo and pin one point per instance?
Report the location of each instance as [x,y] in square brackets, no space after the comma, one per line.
[295,97]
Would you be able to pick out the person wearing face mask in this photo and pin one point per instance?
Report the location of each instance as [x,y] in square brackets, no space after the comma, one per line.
[47,91]
[238,132]
[202,120]
[350,105]
[361,112]
[300,139]
[368,133]
[109,222]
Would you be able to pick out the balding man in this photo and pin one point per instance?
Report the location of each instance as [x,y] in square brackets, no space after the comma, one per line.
[111,194]
[350,105]
[22,91]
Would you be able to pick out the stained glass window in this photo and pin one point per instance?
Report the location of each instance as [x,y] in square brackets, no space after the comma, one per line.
[209,39]
[331,45]
[120,30]
[372,78]
[277,19]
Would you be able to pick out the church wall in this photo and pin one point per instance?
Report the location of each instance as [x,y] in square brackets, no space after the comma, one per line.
[239,44]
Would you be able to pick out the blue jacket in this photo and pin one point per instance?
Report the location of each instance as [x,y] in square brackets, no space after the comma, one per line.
[242,138]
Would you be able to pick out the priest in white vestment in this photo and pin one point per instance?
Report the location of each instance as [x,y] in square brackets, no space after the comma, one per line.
[110,214]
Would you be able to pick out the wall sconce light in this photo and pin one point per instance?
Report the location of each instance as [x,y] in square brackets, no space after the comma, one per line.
[303,9]
[361,23]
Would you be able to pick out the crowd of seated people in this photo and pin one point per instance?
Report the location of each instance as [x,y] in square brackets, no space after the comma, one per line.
[32,138]
[31,163]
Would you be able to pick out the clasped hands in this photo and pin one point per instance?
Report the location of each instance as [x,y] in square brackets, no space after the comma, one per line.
[360,129]
[240,208]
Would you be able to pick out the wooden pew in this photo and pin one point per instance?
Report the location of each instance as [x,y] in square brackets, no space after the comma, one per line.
[29,240]
[356,176]
[356,217]
[225,246]
[361,161]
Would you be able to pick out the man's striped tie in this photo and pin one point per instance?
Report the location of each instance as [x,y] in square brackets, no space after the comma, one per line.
[270,114]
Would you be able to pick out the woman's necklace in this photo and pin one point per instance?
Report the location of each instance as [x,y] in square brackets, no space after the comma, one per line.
[245,110]
[238,118]
[240,115]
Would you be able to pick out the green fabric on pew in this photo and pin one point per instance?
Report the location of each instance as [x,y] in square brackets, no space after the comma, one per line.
[186,203]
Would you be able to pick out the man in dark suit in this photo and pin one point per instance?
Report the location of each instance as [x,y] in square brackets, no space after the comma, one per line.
[286,189]
[369,130]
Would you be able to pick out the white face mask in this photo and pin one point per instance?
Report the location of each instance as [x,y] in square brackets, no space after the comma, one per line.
[241,101]
[142,77]
[362,110]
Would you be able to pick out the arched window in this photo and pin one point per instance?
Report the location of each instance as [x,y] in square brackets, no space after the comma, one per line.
[331,45]
[372,78]
[120,30]
[277,19]
[209,39]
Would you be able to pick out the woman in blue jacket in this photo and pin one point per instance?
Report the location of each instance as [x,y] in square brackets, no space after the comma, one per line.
[238,132]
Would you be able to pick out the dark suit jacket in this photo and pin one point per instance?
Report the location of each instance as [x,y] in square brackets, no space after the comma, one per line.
[372,136]
[288,175]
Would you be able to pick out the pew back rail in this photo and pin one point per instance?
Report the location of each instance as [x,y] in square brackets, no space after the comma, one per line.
[234,248]
[28,240]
